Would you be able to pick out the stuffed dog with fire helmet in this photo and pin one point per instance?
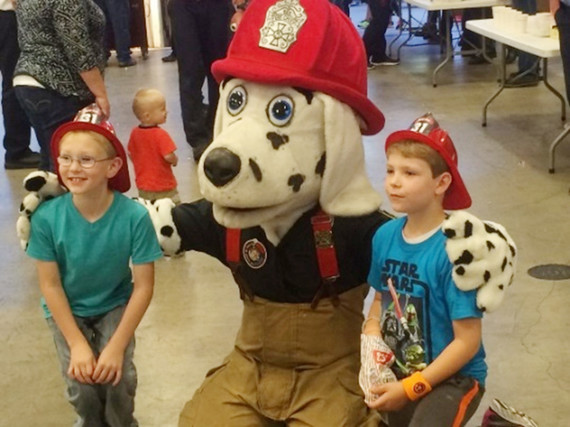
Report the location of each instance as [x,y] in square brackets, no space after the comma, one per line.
[288,207]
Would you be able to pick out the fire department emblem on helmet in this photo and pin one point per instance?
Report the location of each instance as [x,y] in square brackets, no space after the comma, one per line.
[254,253]
[282,23]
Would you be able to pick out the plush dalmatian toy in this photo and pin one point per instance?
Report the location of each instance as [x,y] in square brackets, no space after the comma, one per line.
[288,207]
[41,186]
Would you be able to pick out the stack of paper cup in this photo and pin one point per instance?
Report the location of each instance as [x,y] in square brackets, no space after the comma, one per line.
[519,22]
[544,24]
[499,16]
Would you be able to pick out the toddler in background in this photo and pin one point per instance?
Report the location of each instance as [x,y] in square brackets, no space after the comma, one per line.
[151,148]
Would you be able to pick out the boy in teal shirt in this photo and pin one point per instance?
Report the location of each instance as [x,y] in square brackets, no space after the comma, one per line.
[83,243]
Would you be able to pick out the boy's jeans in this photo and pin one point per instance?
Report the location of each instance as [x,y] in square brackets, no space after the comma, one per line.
[99,405]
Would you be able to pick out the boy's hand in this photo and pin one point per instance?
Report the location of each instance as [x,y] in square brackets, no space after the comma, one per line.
[109,366]
[392,397]
[81,363]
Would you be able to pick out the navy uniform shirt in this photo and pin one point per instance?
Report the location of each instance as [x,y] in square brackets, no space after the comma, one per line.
[289,271]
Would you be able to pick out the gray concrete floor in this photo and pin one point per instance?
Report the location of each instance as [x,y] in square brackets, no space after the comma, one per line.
[195,312]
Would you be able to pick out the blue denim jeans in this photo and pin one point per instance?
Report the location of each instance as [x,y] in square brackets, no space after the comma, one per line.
[46,111]
[16,125]
[118,16]
[526,60]
[201,34]
[99,405]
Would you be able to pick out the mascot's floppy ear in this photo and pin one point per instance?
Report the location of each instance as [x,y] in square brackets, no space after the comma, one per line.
[346,189]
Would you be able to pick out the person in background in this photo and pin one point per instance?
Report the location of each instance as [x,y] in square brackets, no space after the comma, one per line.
[432,328]
[17,128]
[374,36]
[151,148]
[60,69]
[84,242]
[528,65]
[470,40]
[560,9]
[202,28]
[167,23]
[118,27]
[344,5]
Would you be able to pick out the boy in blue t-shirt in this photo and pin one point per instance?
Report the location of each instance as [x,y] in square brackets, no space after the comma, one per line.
[432,328]
[83,243]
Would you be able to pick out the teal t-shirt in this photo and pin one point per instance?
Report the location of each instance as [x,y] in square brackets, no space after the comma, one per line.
[93,258]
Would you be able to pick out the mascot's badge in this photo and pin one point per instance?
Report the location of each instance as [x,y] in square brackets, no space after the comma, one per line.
[254,253]
[282,23]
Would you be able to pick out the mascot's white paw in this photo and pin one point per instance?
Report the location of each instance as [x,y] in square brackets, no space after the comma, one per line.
[42,186]
[483,256]
[160,212]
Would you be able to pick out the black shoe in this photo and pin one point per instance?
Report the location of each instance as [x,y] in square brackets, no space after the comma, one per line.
[169,58]
[128,63]
[386,60]
[29,161]
[522,80]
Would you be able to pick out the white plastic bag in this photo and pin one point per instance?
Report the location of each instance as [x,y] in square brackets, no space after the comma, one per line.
[375,361]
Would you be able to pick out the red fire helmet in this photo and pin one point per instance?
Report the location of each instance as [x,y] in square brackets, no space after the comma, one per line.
[426,130]
[309,44]
[91,118]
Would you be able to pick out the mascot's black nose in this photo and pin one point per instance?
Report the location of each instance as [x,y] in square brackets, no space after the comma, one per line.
[221,166]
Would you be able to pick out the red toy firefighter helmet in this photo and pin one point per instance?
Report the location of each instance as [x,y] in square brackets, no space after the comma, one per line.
[91,118]
[309,44]
[426,130]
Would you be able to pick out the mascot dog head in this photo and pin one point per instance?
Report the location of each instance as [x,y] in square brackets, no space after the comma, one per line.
[292,107]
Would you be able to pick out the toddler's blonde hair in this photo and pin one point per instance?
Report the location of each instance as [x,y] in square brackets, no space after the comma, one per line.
[144,98]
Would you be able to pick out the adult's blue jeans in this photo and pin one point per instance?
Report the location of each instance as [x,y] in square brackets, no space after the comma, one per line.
[118,15]
[201,35]
[46,111]
[16,125]
[526,60]
[99,404]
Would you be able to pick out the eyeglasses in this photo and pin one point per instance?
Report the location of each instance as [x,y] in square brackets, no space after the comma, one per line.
[86,162]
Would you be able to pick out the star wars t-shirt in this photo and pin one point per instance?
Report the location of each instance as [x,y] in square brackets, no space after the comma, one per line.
[417,314]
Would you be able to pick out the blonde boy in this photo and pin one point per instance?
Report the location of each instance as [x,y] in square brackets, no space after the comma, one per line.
[151,148]
[83,243]
[432,327]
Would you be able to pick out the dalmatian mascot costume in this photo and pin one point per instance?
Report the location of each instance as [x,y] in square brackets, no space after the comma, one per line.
[289,209]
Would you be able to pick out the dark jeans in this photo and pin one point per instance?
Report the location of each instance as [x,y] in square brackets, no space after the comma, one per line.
[16,125]
[562,17]
[47,110]
[473,40]
[201,35]
[118,15]
[526,60]
[441,406]
[374,36]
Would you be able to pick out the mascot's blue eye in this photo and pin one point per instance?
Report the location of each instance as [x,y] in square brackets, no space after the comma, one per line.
[280,110]
[237,100]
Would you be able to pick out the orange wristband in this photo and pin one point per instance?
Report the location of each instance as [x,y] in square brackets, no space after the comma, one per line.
[416,386]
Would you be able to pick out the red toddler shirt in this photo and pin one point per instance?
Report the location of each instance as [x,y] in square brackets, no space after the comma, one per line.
[147,148]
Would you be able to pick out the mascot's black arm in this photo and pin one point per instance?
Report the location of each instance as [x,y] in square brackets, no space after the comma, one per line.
[289,271]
